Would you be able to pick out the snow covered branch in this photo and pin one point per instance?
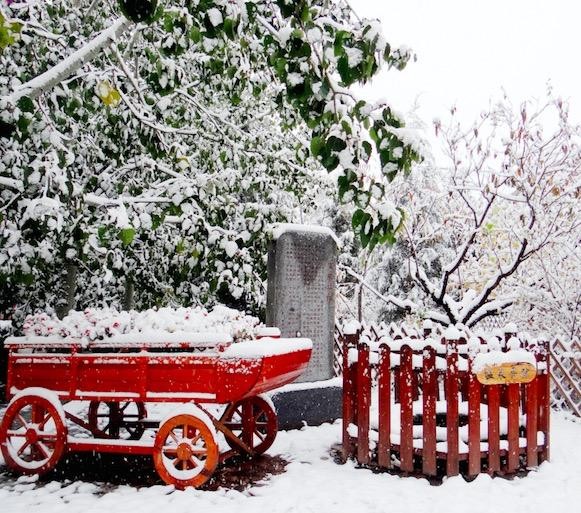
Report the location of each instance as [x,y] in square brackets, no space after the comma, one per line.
[47,80]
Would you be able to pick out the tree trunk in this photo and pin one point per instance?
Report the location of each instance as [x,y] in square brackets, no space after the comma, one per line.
[68,300]
[129,294]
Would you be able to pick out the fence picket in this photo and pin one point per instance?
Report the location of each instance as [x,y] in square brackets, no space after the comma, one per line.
[544,410]
[363,403]
[430,392]
[384,405]
[494,428]
[349,394]
[452,458]
[407,416]
[532,414]
[473,423]
[513,400]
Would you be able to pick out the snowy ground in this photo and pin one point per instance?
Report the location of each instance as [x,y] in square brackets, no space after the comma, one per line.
[314,482]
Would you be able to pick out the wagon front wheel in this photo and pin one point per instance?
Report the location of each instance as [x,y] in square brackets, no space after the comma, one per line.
[32,435]
[252,420]
[185,451]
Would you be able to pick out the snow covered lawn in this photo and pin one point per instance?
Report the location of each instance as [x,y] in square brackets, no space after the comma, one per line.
[314,482]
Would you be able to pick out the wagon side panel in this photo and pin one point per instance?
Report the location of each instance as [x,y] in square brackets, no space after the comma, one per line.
[47,371]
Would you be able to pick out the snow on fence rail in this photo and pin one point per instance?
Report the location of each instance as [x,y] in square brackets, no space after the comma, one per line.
[414,401]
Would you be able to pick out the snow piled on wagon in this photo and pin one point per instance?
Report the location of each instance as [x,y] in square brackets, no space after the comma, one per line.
[95,326]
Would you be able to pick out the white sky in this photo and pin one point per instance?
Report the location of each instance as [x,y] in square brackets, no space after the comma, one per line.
[468,50]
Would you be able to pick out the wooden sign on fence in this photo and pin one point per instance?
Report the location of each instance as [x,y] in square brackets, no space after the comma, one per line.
[507,374]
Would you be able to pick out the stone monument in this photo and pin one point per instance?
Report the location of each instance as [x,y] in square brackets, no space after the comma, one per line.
[301,302]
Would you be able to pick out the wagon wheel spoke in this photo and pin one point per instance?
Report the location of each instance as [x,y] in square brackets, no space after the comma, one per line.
[234,425]
[43,449]
[174,437]
[170,451]
[177,463]
[22,420]
[47,417]
[33,413]
[199,452]
[260,435]
[23,447]
[47,436]
[196,438]
[12,432]
[195,461]
[124,407]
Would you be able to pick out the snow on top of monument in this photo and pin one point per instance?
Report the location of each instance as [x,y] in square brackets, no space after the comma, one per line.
[188,325]
[282,228]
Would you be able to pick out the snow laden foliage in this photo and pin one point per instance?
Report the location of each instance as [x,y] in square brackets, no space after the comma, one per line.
[497,229]
[155,156]
[95,324]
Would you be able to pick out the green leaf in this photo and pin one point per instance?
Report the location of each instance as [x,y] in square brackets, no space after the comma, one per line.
[331,162]
[195,34]
[229,28]
[359,218]
[367,150]
[26,104]
[334,143]
[126,235]
[317,144]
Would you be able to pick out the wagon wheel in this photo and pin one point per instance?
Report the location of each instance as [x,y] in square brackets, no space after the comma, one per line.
[118,420]
[33,435]
[185,452]
[254,421]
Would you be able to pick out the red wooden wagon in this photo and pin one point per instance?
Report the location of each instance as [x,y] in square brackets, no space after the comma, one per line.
[118,377]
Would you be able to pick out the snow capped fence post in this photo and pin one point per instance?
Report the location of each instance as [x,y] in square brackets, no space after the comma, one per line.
[490,386]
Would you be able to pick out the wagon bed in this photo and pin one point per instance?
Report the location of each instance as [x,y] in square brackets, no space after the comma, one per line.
[210,369]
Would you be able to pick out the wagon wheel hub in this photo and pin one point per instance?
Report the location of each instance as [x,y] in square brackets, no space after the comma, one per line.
[184,451]
[31,435]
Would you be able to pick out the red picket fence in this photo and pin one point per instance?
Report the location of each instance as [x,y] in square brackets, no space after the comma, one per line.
[416,404]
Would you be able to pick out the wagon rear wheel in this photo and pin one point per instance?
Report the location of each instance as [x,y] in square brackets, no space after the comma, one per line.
[118,420]
[252,420]
[185,451]
[32,435]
